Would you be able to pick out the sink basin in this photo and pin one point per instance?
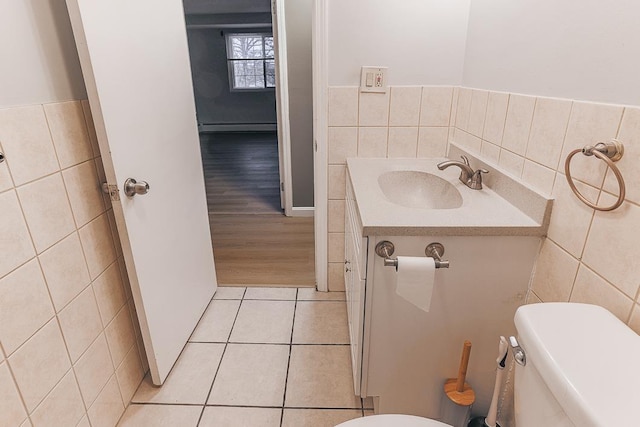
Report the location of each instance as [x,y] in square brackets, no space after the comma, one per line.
[415,189]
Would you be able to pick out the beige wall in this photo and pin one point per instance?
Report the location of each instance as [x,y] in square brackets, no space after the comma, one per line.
[69,350]
[407,121]
[588,256]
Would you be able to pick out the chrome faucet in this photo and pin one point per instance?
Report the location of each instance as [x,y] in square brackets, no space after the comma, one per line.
[469,177]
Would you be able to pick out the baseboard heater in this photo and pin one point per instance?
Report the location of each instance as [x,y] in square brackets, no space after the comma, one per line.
[237,127]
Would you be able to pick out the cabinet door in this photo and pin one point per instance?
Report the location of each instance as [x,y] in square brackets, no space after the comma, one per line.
[354,287]
[349,275]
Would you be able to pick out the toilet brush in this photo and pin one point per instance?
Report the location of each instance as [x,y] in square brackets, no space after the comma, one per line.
[490,419]
[458,395]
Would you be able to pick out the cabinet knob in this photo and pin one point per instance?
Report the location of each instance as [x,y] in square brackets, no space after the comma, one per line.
[346,270]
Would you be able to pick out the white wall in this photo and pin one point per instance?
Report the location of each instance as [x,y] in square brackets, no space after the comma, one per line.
[215,102]
[579,49]
[298,24]
[421,41]
[39,59]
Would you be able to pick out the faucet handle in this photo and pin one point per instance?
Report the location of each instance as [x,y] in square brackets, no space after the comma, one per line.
[476,179]
[465,160]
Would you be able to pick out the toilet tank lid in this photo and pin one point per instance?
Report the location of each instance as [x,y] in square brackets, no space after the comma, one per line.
[588,358]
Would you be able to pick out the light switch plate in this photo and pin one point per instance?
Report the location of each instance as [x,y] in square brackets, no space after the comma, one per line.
[374,79]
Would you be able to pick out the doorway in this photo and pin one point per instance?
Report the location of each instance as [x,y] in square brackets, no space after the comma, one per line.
[254,243]
[238,58]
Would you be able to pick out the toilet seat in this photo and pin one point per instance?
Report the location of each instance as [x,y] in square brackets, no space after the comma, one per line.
[392,420]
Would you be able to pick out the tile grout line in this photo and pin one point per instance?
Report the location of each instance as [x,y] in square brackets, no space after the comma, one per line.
[188,342]
[322,408]
[272,343]
[15,384]
[204,406]
[281,407]
[286,379]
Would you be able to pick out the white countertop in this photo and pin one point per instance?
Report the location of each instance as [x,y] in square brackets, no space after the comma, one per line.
[483,212]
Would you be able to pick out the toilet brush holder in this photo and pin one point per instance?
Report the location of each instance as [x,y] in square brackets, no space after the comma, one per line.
[491,419]
[480,422]
[458,395]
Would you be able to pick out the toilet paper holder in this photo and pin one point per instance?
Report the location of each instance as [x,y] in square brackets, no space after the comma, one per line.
[433,250]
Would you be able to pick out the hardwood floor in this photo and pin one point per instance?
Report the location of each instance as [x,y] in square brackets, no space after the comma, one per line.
[263,250]
[253,242]
[241,172]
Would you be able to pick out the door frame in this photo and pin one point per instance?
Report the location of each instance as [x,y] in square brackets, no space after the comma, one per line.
[320,66]
[282,105]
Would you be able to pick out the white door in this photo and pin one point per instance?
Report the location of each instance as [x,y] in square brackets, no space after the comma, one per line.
[135,63]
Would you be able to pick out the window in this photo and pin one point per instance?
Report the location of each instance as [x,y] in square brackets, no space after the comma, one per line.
[250,61]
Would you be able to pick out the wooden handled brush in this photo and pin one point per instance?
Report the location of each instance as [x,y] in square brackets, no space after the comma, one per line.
[459,392]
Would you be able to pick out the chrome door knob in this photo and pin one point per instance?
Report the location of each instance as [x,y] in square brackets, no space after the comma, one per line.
[132,187]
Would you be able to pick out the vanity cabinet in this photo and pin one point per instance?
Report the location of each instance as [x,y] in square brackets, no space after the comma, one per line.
[401,355]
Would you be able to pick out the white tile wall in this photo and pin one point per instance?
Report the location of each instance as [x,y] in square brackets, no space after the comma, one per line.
[373,109]
[403,142]
[39,364]
[65,270]
[108,407]
[69,132]
[435,109]
[479,99]
[24,287]
[372,141]
[84,192]
[62,407]
[529,137]
[404,108]
[26,137]
[588,256]
[109,291]
[47,211]
[11,407]
[93,369]
[629,133]
[496,115]
[432,141]
[548,128]
[15,235]
[80,323]
[69,349]
[518,123]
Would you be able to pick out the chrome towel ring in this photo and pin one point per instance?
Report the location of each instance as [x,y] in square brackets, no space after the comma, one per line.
[609,152]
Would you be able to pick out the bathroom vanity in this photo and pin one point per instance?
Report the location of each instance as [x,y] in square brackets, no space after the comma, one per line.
[402,355]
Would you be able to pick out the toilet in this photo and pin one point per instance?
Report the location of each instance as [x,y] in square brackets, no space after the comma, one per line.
[392,420]
[581,368]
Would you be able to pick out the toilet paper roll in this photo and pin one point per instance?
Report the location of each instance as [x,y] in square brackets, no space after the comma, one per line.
[415,280]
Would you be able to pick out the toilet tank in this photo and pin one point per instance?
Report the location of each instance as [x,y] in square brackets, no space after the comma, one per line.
[582,367]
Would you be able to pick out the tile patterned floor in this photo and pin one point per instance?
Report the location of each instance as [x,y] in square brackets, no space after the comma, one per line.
[263,357]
